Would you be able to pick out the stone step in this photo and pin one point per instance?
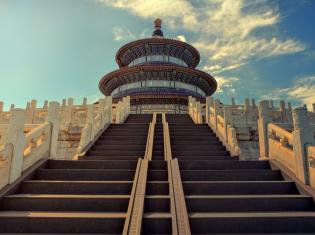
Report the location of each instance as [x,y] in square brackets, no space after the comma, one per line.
[157,175]
[231,175]
[85,174]
[76,187]
[157,203]
[92,164]
[62,202]
[157,188]
[222,165]
[238,187]
[61,222]
[116,152]
[112,158]
[248,203]
[156,223]
[249,223]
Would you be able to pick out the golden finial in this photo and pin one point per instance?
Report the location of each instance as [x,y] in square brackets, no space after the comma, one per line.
[157,23]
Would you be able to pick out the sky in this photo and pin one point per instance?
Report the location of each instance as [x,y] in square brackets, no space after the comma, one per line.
[55,49]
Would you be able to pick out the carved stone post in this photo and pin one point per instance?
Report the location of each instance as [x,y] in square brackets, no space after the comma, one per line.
[289,113]
[247,109]
[90,121]
[108,101]
[198,112]
[68,111]
[84,102]
[253,103]
[45,104]
[227,116]
[64,103]
[207,109]
[1,106]
[15,136]
[12,107]
[30,114]
[284,117]
[216,112]
[233,101]
[302,137]
[52,118]
[264,119]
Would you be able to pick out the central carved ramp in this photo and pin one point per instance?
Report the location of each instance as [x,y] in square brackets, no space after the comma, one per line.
[226,196]
[87,196]
[157,213]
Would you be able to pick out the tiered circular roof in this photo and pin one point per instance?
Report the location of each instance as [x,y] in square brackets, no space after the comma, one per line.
[158,71]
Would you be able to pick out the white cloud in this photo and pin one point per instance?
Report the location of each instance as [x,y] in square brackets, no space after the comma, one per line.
[121,34]
[225,84]
[223,28]
[181,38]
[302,90]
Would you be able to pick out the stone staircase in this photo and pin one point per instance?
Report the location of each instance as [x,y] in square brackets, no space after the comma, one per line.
[88,196]
[226,196]
[94,194]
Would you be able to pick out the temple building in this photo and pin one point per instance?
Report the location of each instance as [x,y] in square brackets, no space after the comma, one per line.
[159,74]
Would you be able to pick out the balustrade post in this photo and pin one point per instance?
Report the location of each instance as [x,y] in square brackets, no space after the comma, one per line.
[208,109]
[283,111]
[289,113]
[227,116]
[198,113]
[247,109]
[15,136]
[1,106]
[216,112]
[45,104]
[90,120]
[68,111]
[302,138]
[12,107]
[253,103]
[233,101]
[84,103]
[108,102]
[52,118]
[264,119]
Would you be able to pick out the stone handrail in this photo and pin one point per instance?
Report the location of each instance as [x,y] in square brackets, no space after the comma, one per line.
[37,143]
[225,132]
[277,132]
[280,146]
[166,139]
[150,139]
[294,150]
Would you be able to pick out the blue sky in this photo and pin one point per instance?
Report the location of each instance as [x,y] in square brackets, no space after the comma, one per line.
[54,49]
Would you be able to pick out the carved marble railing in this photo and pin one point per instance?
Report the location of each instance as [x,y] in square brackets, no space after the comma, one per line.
[194,110]
[293,147]
[122,110]
[96,121]
[281,146]
[37,143]
[21,149]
